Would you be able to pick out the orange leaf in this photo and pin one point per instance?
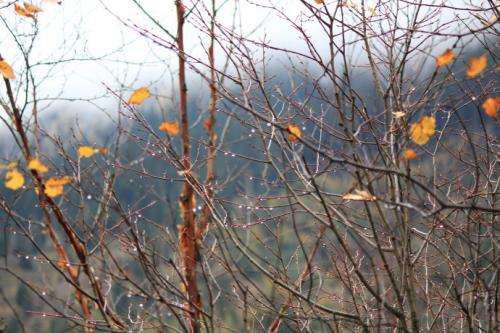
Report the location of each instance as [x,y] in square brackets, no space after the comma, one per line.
[20,10]
[295,132]
[55,186]
[139,96]
[54,181]
[54,191]
[319,2]
[171,128]
[477,65]
[62,263]
[207,124]
[30,8]
[491,106]
[38,166]
[86,151]
[423,130]
[6,70]
[445,58]
[14,180]
[409,154]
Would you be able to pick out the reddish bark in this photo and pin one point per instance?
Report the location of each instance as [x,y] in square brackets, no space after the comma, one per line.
[187,237]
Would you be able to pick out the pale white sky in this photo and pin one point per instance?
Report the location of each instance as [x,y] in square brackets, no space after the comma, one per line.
[86,28]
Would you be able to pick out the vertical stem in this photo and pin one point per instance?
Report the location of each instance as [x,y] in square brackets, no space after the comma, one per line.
[209,126]
[187,238]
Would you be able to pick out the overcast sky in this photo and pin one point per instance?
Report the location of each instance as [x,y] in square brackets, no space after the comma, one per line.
[88,28]
[92,28]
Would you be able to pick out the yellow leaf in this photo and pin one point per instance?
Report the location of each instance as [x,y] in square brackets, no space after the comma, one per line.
[54,181]
[477,65]
[54,191]
[295,132]
[32,8]
[398,114]
[491,106]
[139,96]
[6,70]
[445,58]
[171,128]
[86,151]
[38,166]
[20,10]
[359,195]
[409,154]
[423,130]
[55,186]
[428,125]
[14,179]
